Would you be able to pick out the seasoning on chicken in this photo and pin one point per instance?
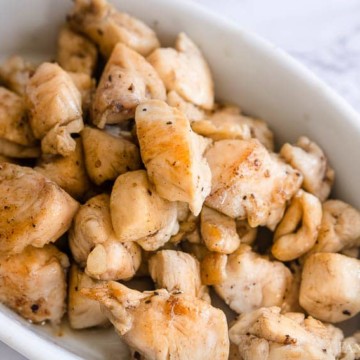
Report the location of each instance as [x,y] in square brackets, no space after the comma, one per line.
[228,123]
[173,154]
[15,74]
[33,283]
[339,229]
[252,281]
[82,311]
[161,325]
[213,268]
[298,230]
[14,125]
[75,52]
[127,80]
[55,109]
[310,160]
[67,171]
[107,156]
[250,183]
[176,270]
[34,210]
[268,335]
[218,231]
[185,71]
[330,287]
[106,27]
[93,243]
[191,111]
[139,214]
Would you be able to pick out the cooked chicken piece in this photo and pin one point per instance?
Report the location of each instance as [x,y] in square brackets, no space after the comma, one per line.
[213,268]
[310,160]
[249,183]
[82,311]
[15,74]
[86,86]
[229,123]
[176,270]
[128,80]
[34,210]
[55,109]
[218,231]
[106,26]
[75,52]
[350,347]
[33,283]
[160,325]
[185,71]
[330,287]
[67,171]
[246,233]
[14,125]
[93,242]
[113,260]
[9,148]
[138,212]
[91,226]
[191,111]
[108,156]
[339,229]
[298,230]
[268,335]
[172,154]
[253,281]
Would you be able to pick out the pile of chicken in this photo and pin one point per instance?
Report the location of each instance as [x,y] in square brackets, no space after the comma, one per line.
[146,176]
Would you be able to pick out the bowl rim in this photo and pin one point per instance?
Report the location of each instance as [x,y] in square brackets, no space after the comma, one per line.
[37,347]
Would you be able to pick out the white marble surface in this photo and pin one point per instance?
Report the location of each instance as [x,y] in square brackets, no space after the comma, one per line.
[322,34]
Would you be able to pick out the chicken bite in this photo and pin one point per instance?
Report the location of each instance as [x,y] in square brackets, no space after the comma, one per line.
[191,111]
[34,210]
[160,325]
[33,283]
[82,311]
[185,71]
[106,27]
[213,268]
[15,74]
[75,52]
[127,80]
[139,214]
[13,150]
[350,347]
[107,156]
[310,160]
[67,171]
[86,86]
[94,244]
[330,287]
[268,335]
[339,229]
[298,230]
[173,154]
[218,231]
[177,271]
[252,281]
[54,108]
[250,183]
[14,125]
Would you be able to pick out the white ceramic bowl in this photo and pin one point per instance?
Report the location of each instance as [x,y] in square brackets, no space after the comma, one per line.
[248,71]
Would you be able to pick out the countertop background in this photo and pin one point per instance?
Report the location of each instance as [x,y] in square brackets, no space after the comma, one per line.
[322,34]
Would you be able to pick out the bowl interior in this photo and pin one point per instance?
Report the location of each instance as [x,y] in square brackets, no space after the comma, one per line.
[249,72]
